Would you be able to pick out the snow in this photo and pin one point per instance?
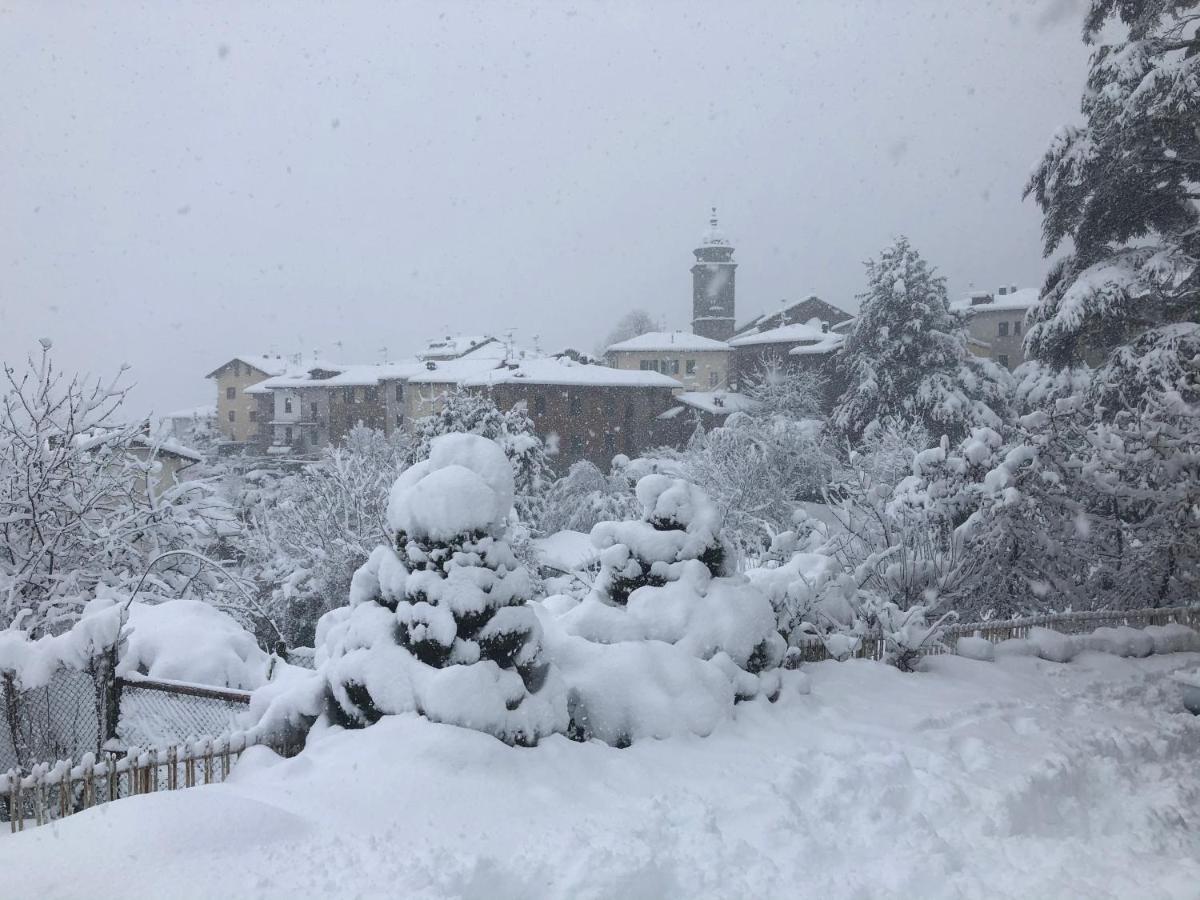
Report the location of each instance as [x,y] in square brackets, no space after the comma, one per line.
[465,486]
[186,640]
[169,447]
[565,371]
[1021,299]
[1020,778]
[454,346]
[798,332]
[717,402]
[566,551]
[666,341]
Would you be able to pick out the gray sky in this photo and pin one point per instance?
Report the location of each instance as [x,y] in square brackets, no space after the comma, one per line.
[183,182]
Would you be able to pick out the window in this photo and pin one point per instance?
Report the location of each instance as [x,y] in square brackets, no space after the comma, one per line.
[712,379]
[399,420]
[649,365]
[674,366]
[287,404]
[1003,329]
[690,368]
[287,435]
[312,438]
[237,369]
[1017,327]
[348,394]
[312,409]
[233,415]
[1003,359]
[539,405]
[254,415]
[371,393]
[230,393]
[399,392]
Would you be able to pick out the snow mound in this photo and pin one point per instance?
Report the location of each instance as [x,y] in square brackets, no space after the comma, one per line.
[186,640]
[977,648]
[465,486]
[1053,645]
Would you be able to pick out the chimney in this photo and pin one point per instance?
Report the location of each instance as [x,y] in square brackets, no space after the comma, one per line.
[1012,288]
[1003,290]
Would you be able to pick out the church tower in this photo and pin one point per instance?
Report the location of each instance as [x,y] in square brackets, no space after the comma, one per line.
[712,285]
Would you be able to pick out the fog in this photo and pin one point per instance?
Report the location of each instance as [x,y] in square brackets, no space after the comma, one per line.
[186,182]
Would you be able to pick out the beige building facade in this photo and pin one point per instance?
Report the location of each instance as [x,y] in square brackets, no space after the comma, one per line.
[239,412]
[696,362]
[996,323]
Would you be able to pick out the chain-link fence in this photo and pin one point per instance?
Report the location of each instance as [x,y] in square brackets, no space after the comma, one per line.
[58,720]
[162,714]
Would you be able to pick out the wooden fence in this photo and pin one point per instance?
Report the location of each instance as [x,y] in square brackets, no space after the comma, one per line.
[813,649]
[51,792]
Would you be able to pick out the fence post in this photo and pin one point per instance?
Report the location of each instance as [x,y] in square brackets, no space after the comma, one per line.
[108,695]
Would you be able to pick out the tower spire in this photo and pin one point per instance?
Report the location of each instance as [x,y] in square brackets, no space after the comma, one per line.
[713,284]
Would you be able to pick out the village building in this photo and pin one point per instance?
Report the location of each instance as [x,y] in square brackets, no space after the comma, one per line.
[697,362]
[238,413]
[996,323]
[706,410]
[582,411]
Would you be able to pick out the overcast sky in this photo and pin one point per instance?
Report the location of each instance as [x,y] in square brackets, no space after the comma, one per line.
[182,183]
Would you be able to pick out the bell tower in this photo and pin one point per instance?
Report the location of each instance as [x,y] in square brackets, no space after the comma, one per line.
[713,284]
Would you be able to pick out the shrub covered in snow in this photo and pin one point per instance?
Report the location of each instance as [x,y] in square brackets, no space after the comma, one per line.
[667,625]
[438,622]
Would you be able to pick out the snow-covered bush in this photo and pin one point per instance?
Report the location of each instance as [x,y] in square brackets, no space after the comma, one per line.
[438,621]
[585,496]
[81,508]
[308,532]
[665,586]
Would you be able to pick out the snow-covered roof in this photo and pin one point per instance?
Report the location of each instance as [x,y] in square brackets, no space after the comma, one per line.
[799,332]
[205,411]
[568,372]
[168,447]
[655,341]
[270,363]
[320,373]
[453,371]
[717,402]
[1021,299]
[829,344]
[454,346]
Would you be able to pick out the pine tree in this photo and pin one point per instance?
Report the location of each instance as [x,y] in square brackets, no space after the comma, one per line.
[1123,187]
[450,596]
[907,358]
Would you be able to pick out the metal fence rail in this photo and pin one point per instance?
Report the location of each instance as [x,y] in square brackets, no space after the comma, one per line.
[813,649]
[158,712]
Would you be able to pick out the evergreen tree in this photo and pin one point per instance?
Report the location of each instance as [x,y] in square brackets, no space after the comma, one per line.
[450,596]
[906,357]
[1122,187]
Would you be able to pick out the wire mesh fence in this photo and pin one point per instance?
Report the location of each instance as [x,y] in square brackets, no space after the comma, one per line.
[162,713]
[57,720]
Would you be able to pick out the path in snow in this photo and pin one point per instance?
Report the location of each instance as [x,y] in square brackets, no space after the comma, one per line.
[1016,779]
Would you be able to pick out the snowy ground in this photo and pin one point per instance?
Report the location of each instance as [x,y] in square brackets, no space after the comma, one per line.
[1021,778]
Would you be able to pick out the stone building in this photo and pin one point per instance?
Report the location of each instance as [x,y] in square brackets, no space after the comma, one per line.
[582,411]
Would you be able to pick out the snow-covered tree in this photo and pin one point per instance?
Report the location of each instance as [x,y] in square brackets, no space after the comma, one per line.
[906,356]
[465,412]
[318,526]
[82,506]
[1122,188]
[439,621]
[630,325]
[585,496]
[791,393]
